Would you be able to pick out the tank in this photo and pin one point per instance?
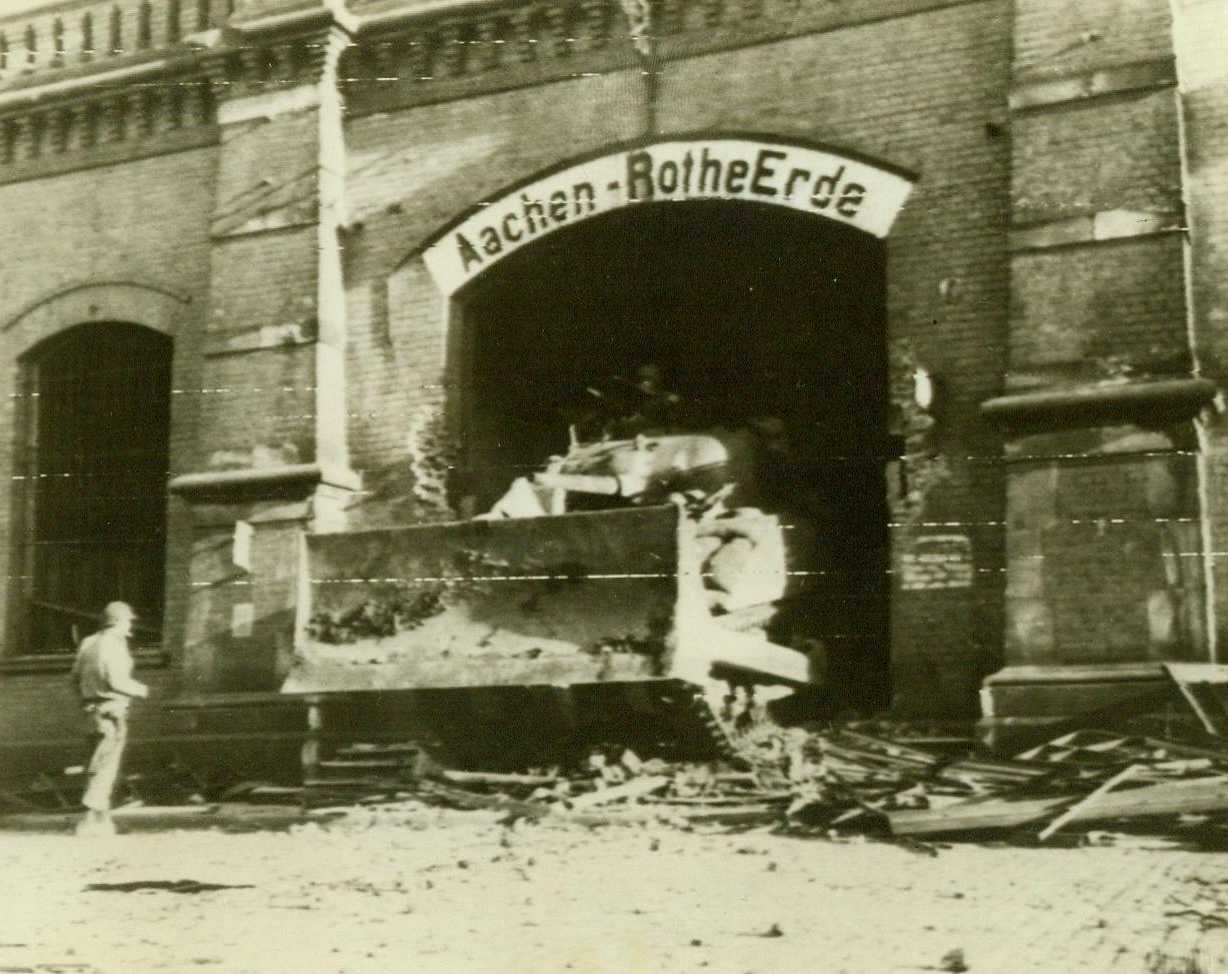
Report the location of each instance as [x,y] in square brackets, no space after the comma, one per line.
[611,598]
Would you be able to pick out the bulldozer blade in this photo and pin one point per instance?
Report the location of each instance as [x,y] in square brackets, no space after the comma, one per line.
[516,727]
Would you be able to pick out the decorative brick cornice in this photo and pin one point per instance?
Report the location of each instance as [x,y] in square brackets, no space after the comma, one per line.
[423,52]
[80,111]
[67,39]
[406,52]
[253,63]
[105,125]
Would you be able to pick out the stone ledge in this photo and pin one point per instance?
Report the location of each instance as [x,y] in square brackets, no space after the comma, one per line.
[1117,79]
[1107,225]
[238,699]
[1023,706]
[1094,403]
[261,480]
[1076,673]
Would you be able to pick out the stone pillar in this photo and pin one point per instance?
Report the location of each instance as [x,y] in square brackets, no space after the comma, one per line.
[272,457]
[1198,30]
[1106,563]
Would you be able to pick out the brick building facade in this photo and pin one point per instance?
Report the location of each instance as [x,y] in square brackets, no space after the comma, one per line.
[1009,393]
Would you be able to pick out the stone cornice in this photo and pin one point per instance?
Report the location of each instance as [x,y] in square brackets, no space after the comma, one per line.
[105,124]
[113,109]
[404,52]
[1030,95]
[250,63]
[439,50]
[260,481]
[1101,403]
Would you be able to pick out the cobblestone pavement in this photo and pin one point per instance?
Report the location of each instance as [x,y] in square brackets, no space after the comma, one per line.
[451,893]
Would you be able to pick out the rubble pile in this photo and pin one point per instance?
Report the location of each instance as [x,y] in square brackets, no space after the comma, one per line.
[1135,768]
[889,783]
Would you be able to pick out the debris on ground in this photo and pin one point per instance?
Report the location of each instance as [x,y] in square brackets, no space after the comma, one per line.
[876,780]
[869,780]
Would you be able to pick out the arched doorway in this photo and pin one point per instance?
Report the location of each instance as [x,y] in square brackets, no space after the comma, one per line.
[97,433]
[767,324]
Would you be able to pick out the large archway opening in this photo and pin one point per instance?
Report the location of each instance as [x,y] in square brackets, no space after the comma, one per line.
[766,326]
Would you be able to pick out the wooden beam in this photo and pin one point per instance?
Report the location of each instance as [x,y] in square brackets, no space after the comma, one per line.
[973,816]
[499,780]
[1084,804]
[632,789]
[1173,798]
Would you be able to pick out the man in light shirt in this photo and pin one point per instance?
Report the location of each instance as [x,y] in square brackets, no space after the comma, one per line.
[102,677]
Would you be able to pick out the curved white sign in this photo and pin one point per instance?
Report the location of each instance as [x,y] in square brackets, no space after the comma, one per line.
[809,180]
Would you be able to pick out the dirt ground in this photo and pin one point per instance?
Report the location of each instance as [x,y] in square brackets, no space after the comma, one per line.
[439,892]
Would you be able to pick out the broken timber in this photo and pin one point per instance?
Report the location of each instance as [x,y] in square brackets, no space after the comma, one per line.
[1205,688]
[1084,804]
[1172,798]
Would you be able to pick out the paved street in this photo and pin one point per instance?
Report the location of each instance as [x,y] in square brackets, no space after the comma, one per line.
[453,892]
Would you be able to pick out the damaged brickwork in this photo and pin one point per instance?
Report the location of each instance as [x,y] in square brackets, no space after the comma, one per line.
[920,466]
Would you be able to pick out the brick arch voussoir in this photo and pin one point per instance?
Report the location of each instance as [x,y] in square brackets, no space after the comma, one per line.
[149,306]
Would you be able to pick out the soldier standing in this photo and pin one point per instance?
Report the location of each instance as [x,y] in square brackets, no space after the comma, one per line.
[102,677]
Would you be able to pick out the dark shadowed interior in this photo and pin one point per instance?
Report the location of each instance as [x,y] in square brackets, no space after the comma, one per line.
[769,328]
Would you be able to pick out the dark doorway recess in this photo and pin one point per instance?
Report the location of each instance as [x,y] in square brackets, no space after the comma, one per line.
[764,322]
[99,425]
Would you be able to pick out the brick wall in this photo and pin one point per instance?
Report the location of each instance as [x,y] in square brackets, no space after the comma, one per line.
[924,91]
[411,172]
[924,85]
[1056,39]
[1100,310]
[1105,561]
[919,92]
[1062,168]
[125,236]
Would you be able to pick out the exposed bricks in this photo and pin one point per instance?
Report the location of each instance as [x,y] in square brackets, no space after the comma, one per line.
[1105,562]
[1087,158]
[131,225]
[1054,38]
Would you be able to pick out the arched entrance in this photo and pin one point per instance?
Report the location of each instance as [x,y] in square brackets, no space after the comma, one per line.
[96,442]
[768,326]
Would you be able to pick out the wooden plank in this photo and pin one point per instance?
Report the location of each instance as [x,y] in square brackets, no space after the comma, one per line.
[1188,750]
[372,749]
[1171,798]
[1132,706]
[1016,770]
[499,780]
[894,748]
[973,816]
[632,789]
[1197,672]
[1089,801]
[469,799]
